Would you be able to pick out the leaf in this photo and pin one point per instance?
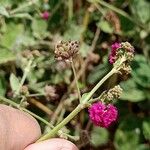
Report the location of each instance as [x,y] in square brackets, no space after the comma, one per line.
[146,129]
[22,15]
[128,133]
[74,32]
[14,82]
[141,10]
[2,85]
[6,55]
[3,11]
[131,91]
[39,28]
[99,136]
[105,26]
[11,37]
[141,71]
[84,49]
[97,73]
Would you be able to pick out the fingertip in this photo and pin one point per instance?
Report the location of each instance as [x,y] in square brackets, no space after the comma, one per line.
[53,144]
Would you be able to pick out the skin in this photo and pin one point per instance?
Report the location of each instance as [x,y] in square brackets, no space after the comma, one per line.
[19,131]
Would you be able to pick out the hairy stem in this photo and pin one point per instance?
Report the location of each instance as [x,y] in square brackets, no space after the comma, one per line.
[76,80]
[26,71]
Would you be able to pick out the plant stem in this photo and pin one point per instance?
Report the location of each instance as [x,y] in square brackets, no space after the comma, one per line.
[77,109]
[25,110]
[70,9]
[99,84]
[75,77]
[26,71]
[62,124]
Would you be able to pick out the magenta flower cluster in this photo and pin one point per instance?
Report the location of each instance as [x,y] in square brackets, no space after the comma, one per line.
[114,48]
[45,15]
[103,115]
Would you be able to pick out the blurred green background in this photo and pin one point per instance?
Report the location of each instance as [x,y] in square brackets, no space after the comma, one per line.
[96,24]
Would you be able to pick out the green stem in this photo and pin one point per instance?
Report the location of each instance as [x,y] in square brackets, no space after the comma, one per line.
[70,9]
[77,109]
[26,71]
[25,110]
[76,81]
[62,124]
[99,84]
[32,114]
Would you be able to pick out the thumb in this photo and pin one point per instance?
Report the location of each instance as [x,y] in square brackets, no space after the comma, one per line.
[52,144]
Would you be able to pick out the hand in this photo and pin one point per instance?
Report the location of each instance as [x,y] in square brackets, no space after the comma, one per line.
[19,130]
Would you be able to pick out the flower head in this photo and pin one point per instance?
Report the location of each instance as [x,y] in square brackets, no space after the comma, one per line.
[103,115]
[114,48]
[120,49]
[45,15]
[66,49]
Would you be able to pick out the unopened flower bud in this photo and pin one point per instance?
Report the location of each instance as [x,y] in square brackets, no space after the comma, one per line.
[115,92]
[127,46]
[66,49]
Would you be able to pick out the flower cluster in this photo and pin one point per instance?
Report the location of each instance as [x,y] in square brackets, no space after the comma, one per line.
[120,49]
[66,49]
[103,115]
[45,15]
[114,48]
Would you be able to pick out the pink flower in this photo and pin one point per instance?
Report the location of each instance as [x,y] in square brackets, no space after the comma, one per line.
[103,115]
[45,15]
[114,48]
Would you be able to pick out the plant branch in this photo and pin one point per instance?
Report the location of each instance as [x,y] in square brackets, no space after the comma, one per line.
[76,81]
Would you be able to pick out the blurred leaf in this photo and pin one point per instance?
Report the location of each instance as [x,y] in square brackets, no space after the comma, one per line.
[141,10]
[99,136]
[6,55]
[14,82]
[131,92]
[84,49]
[141,70]
[73,32]
[3,11]
[146,129]
[11,36]
[128,133]
[39,28]
[97,73]
[22,15]
[2,85]
[105,26]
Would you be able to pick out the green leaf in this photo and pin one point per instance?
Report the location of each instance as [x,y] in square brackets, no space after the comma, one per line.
[14,82]
[3,11]
[105,26]
[2,85]
[6,55]
[141,10]
[11,37]
[128,133]
[146,129]
[141,71]
[22,15]
[74,32]
[98,72]
[131,91]
[99,136]
[39,28]
[84,49]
